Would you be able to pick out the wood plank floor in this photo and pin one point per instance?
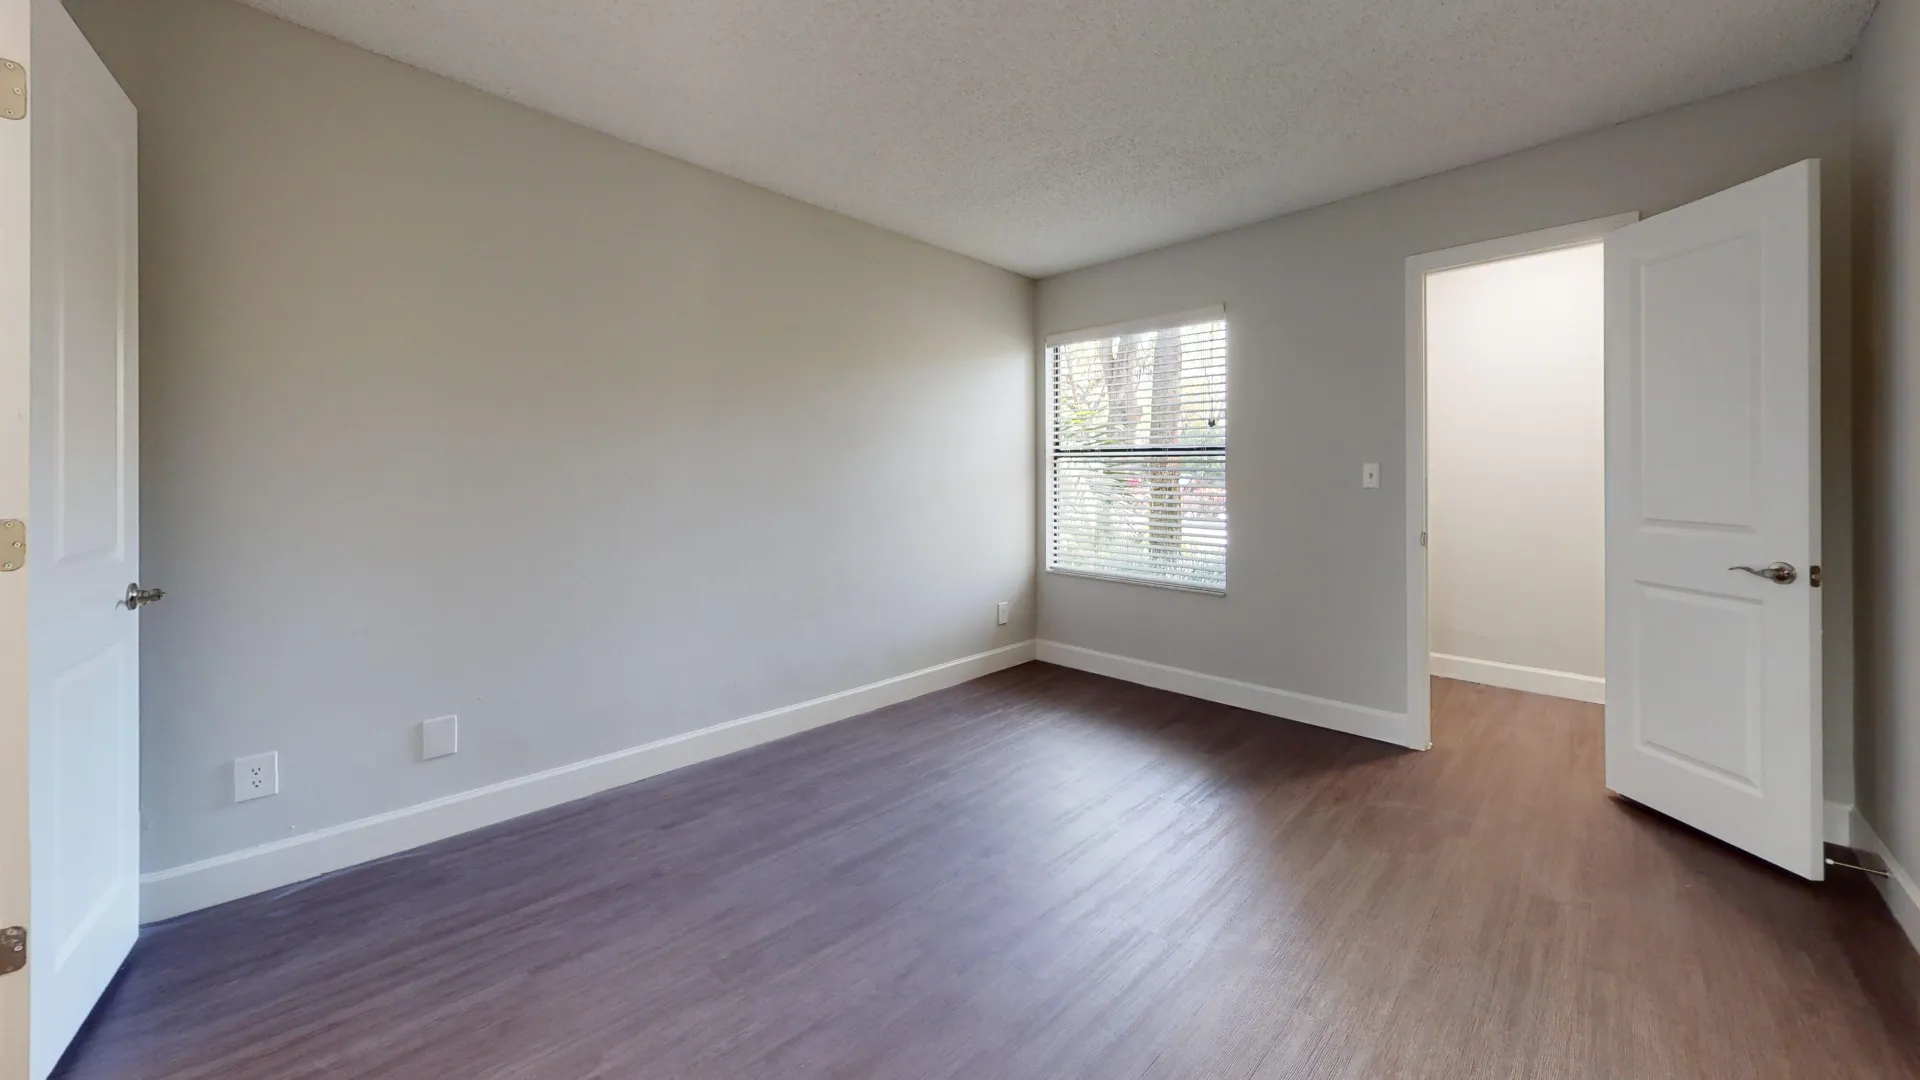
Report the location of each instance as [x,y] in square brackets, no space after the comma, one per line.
[1050,874]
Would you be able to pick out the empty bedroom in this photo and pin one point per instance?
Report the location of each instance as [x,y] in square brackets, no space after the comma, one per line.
[912,541]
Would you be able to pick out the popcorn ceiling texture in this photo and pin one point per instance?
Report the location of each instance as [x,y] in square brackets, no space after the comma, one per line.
[1042,137]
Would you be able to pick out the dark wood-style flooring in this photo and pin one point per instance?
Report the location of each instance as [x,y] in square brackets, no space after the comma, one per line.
[1047,874]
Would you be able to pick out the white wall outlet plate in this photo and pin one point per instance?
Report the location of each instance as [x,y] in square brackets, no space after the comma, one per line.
[1002,611]
[439,737]
[256,776]
[1370,474]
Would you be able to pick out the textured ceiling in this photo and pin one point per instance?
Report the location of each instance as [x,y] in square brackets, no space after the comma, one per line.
[1044,135]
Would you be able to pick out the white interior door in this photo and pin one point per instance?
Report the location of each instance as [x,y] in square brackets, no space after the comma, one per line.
[1713,463]
[68,399]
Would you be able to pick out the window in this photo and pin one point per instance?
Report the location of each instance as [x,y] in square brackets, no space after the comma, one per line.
[1137,452]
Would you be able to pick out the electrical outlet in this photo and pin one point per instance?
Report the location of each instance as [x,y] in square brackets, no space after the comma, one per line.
[256,777]
[1002,611]
[439,737]
[1370,474]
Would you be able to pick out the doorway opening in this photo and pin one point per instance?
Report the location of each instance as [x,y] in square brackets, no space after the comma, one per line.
[1506,464]
[1516,473]
[1711,505]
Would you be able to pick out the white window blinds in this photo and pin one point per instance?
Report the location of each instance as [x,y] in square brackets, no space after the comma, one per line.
[1137,453]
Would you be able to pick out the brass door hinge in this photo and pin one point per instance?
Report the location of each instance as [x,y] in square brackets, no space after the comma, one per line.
[13,949]
[13,90]
[13,545]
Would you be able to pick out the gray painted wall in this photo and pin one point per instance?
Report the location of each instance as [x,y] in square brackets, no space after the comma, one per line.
[453,407]
[1316,600]
[1888,247]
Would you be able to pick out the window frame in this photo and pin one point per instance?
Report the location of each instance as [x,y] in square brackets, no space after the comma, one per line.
[1050,454]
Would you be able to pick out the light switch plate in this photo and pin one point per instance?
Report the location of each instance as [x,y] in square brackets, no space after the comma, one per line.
[1002,611]
[1370,475]
[439,737]
[256,776]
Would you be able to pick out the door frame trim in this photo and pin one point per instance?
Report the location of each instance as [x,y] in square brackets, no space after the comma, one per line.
[16,357]
[1577,234]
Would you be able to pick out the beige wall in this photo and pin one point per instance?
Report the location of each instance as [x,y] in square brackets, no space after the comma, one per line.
[1516,476]
[452,407]
[1888,247]
[1316,598]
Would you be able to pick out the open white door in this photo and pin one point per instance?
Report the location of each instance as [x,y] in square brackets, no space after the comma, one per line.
[69,469]
[1713,467]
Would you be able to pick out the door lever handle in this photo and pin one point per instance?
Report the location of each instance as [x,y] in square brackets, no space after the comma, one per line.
[1779,573]
[137,596]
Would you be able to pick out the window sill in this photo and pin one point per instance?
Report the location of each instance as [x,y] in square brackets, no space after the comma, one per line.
[1203,590]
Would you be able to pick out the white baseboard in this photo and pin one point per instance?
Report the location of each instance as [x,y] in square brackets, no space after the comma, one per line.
[1360,720]
[176,891]
[1533,680]
[1837,826]
[1902,895]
